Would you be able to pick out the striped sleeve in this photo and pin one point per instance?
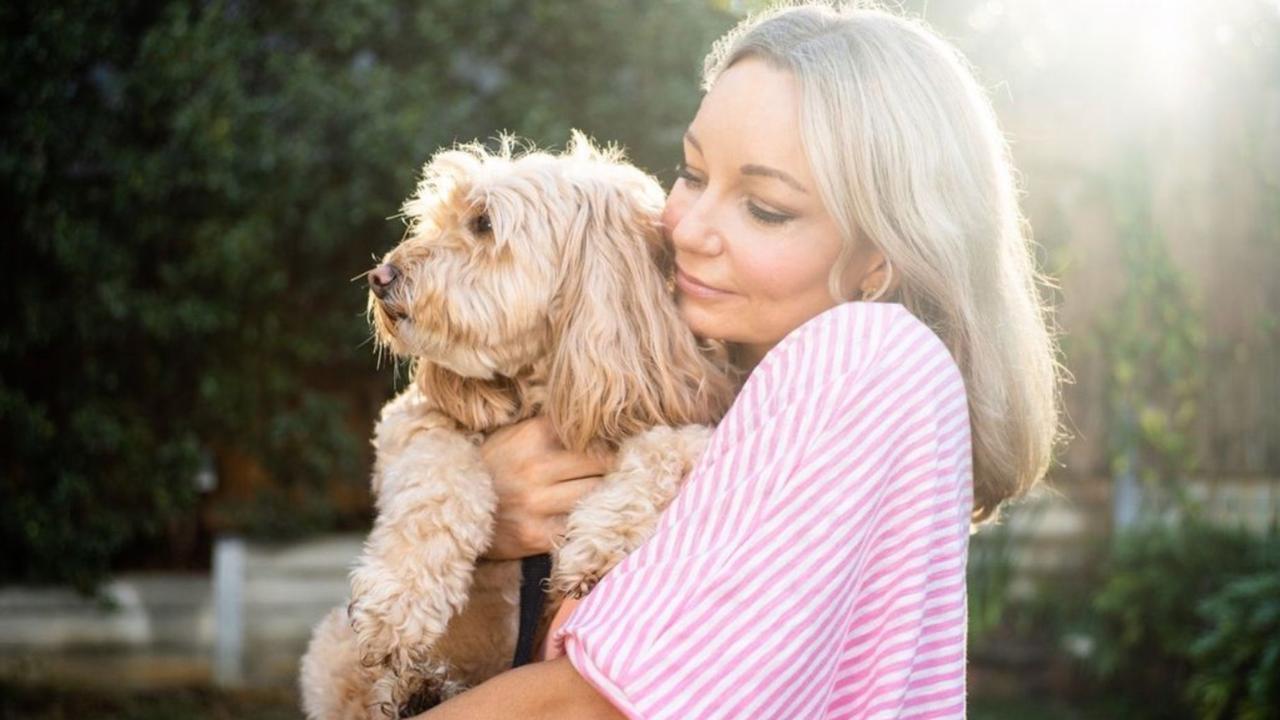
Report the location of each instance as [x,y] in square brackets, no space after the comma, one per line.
[813,564]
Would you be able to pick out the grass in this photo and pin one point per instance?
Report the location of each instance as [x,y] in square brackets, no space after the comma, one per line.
[43,702]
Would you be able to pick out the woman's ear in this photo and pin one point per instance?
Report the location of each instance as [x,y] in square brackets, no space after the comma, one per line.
[622,358]
[871,275]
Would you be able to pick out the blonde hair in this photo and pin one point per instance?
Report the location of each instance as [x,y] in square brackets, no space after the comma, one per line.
[908,155]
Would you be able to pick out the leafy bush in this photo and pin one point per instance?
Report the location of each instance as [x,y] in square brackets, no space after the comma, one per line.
[988,576]
[1153,581]
[1237,660]
[1178,621]
[189,186]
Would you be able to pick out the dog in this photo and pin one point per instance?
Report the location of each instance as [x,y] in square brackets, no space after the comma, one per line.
[527,283]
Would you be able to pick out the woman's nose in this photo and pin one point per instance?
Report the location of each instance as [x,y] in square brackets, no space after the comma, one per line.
[693,229]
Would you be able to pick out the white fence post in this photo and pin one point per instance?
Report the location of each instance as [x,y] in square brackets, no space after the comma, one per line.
[228,611]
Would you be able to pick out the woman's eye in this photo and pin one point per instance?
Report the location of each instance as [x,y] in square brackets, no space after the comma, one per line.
[682,172]
[765,216]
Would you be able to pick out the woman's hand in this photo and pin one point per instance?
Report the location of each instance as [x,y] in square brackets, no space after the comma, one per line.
[537,482]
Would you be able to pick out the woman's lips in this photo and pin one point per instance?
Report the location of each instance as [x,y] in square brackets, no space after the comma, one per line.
[690,285]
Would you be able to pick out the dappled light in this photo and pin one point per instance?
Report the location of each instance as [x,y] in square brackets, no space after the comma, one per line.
[190,371]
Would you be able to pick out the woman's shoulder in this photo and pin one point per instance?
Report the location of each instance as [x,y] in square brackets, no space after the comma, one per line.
[840,360]
[849,338]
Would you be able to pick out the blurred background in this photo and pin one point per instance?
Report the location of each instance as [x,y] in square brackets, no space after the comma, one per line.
[187,387]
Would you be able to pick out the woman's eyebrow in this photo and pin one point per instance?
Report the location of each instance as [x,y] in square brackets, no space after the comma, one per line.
[751,169]
[688,135]
[766,171]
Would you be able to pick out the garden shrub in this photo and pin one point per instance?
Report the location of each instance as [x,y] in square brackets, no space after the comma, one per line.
[1236,660]
[189,187]
[1175,620]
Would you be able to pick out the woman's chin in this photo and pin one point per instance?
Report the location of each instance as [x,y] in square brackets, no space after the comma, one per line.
[705,324]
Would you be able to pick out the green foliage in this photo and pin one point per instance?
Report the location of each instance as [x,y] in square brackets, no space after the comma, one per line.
[1237,661]
[190,186]
[988,575]
[1180,620]
[991,569]
[1146,606]
[1153,343]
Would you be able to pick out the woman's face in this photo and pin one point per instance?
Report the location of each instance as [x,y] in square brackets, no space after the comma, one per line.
[754,244]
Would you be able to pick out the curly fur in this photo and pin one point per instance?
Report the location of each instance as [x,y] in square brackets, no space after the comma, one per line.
[529,282]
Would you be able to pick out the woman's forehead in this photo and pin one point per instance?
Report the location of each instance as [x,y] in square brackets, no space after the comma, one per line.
[751,117]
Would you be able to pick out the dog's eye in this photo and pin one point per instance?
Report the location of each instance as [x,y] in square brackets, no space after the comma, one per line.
[480,224]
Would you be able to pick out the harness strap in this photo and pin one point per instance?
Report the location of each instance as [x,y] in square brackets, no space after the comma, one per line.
[533,571]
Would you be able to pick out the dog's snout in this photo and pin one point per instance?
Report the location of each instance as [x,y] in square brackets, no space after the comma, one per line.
[382,278]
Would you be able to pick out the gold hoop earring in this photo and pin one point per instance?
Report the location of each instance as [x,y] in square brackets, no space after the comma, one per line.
[884,288]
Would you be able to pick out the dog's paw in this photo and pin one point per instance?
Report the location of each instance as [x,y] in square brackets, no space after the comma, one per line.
[393,629]
[376,637]
[580,563]
[574,586]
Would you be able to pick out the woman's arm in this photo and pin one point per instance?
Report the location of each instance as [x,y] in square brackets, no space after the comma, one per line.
[552,690]
[814,566]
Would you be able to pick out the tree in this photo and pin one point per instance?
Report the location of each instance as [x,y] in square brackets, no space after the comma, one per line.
[192,185]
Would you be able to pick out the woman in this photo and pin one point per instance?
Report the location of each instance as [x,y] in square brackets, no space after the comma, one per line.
[846,219]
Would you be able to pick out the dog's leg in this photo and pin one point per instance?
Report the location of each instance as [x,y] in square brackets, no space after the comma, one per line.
[617,517]
[333,684]
[435,517]
[482,638]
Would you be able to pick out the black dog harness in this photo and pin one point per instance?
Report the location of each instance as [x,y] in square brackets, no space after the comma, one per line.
[534,571]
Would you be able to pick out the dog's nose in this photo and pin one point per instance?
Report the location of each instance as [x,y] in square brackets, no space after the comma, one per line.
[382,278]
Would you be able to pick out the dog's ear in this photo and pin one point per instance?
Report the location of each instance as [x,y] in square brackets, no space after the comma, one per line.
[622,359]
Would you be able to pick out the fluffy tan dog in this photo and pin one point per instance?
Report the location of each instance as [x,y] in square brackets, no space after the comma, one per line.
[527,283]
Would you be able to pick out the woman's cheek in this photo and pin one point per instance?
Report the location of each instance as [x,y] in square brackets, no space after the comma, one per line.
[762,275]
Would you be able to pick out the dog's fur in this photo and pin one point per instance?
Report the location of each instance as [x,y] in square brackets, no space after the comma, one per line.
[530,283]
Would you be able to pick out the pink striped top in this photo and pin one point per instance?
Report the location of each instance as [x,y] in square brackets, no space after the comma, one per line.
[813,565]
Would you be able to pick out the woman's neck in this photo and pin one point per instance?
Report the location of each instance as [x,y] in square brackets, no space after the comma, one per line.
[746,356]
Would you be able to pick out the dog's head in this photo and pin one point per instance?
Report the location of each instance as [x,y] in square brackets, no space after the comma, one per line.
[512,258]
